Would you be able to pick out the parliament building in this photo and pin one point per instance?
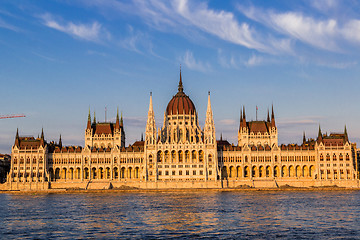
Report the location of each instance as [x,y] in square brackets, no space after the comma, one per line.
[183,154]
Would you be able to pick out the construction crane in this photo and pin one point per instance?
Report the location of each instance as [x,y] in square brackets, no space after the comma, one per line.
[12,116]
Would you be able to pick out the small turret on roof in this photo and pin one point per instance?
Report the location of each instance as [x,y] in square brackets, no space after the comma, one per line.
[272,116]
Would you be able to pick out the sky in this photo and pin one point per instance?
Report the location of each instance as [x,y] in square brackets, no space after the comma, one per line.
[60,58]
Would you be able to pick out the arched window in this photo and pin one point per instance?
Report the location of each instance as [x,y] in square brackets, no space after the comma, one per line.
[159,157]
[347,157]
[341,157]
[321,157]
[150,158]
[210,158]
[327,157]
[201,156]
[173,156]
[180,156]
[334,157]
[193,156]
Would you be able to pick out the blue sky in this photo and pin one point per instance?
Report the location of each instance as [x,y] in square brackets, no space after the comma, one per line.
[58,58]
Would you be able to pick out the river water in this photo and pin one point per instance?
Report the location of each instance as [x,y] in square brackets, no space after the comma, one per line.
[178,215]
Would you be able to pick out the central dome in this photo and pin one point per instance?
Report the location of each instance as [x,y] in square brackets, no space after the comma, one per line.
[180,103]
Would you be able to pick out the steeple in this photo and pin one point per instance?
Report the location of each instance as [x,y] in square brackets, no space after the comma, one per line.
[89,121]
[209,128]
[17,140]
[319,134]
[121,121]
[304,138]
[150,133]
[180,87]
[268,116]
[244,116]
[42,140]
[346,135]
[94,122]
[142,137]
[117,124]
[60,142]
[272,116]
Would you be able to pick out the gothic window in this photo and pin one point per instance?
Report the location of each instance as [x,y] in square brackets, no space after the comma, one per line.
[173,156]
[159,156]
[150,158]
[193,156]
[180,154]
[327,157]
[201,156]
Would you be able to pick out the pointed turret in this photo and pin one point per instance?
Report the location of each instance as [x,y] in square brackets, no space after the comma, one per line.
[346,135]
[180,87]
[150,133]
[243,120]
[60,142]
[209,128]
[42,140]
[117,124]
[89,121]
[94,122]
[121,121]
[304,138]
[268,116]
[272,116]
[319,134]
[142,137]
[17,139]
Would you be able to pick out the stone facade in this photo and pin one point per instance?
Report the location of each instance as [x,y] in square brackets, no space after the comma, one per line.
[181,154]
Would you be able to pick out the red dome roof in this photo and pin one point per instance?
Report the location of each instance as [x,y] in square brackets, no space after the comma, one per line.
[180,103]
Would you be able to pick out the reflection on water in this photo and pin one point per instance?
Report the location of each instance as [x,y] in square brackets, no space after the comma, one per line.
[206,214]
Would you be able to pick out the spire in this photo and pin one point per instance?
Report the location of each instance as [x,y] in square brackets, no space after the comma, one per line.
[209,128]
[151,103]
[272,116]
[117,124]
[209,104]
[150,132]
[346,135]
[221,137]
[121,121]
[304,138]
[319,134]
[60,142]
[244,116]
[94,122]
[42,140]
[180,87]
[268,116]
[17,140]
[89,121]
[142,137]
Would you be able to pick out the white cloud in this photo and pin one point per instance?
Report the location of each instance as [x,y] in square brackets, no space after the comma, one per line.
[221,24]
[229,122]
[189,61]
[90,32]
[352,31]
[327,34]
[324,5]
[254,60]
[315,32]
[8,26]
